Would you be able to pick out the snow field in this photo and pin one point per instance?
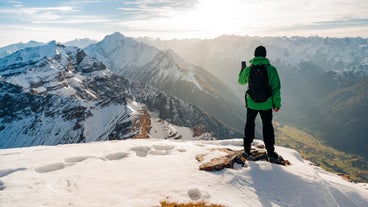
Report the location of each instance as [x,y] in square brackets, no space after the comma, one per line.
[145,172]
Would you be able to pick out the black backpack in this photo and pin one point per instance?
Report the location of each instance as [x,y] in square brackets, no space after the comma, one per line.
[258,85]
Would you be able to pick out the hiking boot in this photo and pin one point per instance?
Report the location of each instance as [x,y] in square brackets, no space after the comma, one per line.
[275,158]
[248,156]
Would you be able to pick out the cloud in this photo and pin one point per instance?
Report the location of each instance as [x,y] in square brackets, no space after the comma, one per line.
[172,4]
[148,9]
[33,14]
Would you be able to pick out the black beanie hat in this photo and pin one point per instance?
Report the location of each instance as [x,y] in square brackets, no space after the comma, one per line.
[260,52]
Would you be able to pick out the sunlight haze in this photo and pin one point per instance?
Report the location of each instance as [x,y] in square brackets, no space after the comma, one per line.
[22,21]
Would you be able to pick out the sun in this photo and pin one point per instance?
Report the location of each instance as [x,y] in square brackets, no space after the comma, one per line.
[213,18]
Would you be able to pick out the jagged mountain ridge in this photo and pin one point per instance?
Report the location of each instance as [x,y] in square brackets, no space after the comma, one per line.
[80,43]
[54,94]
[169,108]
[46,99]
[166,71]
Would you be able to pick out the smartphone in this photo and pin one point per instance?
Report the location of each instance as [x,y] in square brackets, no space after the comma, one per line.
[243,65]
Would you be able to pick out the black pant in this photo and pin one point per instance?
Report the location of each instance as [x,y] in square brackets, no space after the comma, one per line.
[268,131]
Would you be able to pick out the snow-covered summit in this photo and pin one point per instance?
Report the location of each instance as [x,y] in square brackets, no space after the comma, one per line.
[139,173]
[119,52]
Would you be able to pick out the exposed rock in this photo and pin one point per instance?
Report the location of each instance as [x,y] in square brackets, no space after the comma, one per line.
[143,125]
[198,130]
[220,163]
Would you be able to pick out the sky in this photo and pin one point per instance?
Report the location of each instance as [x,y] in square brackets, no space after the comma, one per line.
[45,20]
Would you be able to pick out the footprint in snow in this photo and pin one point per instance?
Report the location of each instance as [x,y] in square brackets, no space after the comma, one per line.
[2,185]
[10,171]
[11,153]
[141,151]
[162,149]
[195,194]
[68,162]
[50,168]
[73,160]
[117,155]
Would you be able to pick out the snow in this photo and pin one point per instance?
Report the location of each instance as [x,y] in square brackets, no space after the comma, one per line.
[163,129]
[145,172]
[102,120]
[118,51]
[126,56]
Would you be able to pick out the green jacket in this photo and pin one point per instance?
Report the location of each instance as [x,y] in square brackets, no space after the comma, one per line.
[275,100]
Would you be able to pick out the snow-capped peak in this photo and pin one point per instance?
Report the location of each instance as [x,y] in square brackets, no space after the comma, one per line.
[119,52]
[115,36]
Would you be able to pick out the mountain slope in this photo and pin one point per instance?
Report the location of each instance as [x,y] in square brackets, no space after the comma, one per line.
[54,94]
[46,99]
[166,71]
[116,173]
[333,107]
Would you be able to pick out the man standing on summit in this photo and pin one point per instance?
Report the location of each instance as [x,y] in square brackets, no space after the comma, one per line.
[262,96]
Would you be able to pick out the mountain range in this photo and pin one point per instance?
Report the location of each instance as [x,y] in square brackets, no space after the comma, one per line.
[54,94]
[165,71]
[323,79]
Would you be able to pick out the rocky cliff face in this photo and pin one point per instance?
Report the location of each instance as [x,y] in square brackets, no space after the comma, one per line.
[46,99]
[54,94]
[167,107]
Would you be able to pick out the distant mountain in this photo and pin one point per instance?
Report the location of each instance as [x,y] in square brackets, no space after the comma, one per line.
[322,79]
[166,71]
[53,94]
[228,51]
[81,43]
[7,50]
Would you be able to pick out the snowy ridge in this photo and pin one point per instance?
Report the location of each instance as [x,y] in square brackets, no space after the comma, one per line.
[116,173]
[51,68]
[7,50]
[350,76]
[359,71]
[288,53]
[141,62]
[168,67]
[30,54]
[80,43]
